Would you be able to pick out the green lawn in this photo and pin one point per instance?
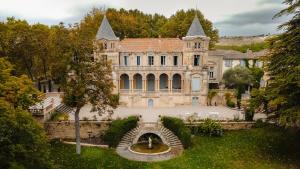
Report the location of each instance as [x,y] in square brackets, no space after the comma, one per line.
[256,148]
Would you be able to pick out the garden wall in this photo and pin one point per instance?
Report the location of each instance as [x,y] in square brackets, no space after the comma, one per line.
[66,130]
[229,125]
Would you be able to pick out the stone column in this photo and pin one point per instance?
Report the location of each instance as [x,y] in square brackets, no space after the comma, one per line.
[182,85]
[171,86]
[145,85]
[119,85]
[131,85]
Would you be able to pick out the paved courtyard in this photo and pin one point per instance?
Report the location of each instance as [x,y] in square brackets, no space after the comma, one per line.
[152,114]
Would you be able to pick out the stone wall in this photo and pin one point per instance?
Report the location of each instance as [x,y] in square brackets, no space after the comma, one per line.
[230,125]
[66,130]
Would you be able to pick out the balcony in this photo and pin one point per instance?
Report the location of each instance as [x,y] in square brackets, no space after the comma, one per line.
[159,92]
[150,68]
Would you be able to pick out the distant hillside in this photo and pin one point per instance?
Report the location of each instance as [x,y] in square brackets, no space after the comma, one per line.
[241,40]
[243,43]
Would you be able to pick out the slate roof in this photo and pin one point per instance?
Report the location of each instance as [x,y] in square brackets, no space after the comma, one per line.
[196,29]
[151,45]
[105,31]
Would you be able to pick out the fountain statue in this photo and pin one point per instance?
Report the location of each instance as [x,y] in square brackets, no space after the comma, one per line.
[150,143]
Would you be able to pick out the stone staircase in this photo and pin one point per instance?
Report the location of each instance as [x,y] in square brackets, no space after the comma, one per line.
[167,136]
[127,139]
[171,138]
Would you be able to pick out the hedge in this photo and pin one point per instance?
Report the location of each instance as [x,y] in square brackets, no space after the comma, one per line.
[178,127]
[208,128]
[118,129]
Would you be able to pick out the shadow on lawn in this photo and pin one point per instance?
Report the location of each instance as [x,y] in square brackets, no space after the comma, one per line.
[279,143]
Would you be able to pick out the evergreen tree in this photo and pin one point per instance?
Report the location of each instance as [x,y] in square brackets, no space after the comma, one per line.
[283,64]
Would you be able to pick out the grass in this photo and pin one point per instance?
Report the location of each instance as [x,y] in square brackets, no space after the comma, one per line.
[261,148]
[255,47]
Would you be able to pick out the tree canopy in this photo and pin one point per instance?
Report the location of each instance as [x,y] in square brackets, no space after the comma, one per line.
[23,141]
[43,52]
[283,65]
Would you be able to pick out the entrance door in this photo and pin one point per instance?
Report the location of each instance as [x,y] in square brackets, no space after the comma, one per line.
[150,103]
[195,101]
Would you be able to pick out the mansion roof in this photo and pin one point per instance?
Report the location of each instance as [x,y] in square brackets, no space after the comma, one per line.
[151,45]
[105,31]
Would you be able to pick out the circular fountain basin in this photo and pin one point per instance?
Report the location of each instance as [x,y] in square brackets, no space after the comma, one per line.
[142,148]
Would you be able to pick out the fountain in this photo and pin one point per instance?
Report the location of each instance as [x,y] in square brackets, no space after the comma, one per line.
[149,144]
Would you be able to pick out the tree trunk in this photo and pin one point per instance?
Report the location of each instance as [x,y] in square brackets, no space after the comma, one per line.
[77,131]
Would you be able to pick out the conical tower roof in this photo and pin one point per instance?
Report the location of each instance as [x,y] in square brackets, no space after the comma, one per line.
[105,31]
[195,28]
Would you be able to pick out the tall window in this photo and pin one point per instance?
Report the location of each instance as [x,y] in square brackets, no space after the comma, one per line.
[104,58]
[163,60]
[228,63]
[197,45]
[242,63]
[112,45]
[138,60]
[126,60]
[211,74]
[105,45]
[150,60]
[196,60]
[175,60]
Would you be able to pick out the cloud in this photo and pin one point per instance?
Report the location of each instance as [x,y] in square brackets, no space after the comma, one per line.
[261,16]
[273,2]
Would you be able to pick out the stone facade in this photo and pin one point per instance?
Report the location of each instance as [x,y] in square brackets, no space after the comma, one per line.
[66,130]
[160,72]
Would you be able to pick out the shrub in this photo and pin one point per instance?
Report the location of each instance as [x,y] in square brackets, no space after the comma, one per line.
[58,116]
[260,124]
[249,114]
[230,103]
[178,127]
[118,129]
[208,128]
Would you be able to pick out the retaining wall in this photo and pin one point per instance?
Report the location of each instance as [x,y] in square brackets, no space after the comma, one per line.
[66,130]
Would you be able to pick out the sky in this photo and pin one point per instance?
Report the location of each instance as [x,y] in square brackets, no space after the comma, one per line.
[230,17]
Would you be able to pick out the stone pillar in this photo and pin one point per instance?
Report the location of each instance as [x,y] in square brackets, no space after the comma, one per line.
[119,86]
[131,85]
[182,85]
[158,87]
[171,86]
[145,85]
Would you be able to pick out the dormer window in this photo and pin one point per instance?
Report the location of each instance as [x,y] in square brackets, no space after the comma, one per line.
[197,45]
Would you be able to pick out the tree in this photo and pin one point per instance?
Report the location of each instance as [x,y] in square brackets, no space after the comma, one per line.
[178,25]
[23,141]
[89,82]
[283,66]
[18,92]
[238,77]
[210,95]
